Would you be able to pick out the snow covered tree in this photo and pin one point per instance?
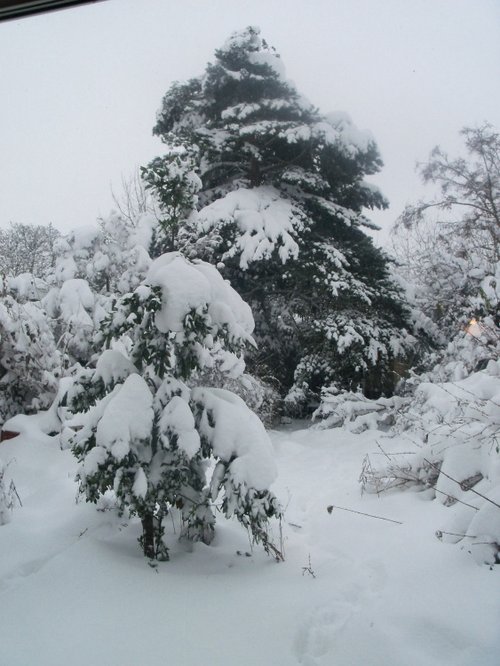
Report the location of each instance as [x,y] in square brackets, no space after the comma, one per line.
[176,185]
[279,192]
[156,437]
[109,256]
[93,266]
[449,245]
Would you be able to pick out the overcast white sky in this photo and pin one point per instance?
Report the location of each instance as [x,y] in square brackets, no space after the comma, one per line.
[79,88]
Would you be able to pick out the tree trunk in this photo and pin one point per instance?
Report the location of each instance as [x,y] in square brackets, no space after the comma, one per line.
[148,536]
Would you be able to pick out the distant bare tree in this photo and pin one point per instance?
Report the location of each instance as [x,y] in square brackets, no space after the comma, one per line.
[447,244]
[134,199]
[469,195]
[27,248]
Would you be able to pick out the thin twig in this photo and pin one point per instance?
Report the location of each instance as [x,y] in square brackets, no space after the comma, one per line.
[361,513]
[385,454]
[440,533]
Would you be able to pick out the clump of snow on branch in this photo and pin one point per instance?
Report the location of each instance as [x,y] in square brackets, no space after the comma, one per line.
[238,437]
[265,222]
[128,417]
[190,286]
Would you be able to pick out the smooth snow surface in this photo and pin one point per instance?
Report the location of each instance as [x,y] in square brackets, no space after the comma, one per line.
[75,589]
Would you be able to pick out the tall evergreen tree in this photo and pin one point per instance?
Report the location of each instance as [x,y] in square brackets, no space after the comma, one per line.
[279,206]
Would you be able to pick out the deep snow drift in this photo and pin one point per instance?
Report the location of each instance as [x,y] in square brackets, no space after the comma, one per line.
[75,588]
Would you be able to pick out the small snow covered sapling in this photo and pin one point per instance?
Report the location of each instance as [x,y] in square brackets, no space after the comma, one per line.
[8,495]
[160,441]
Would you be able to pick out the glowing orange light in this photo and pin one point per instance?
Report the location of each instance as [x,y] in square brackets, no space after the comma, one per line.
[474,328]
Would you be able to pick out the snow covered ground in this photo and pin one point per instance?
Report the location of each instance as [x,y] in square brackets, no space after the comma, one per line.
[75,588]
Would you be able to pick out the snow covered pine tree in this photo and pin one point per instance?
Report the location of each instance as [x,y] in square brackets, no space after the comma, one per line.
[152,435]
[280,206]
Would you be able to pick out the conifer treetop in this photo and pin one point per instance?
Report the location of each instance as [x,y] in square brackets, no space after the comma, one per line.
[243,105]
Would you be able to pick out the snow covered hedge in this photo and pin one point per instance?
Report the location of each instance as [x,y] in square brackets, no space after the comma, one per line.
[161,442]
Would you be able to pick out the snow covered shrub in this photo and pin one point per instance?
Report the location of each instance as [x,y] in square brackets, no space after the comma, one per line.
[356,412]
[74,312]
[262,398]
[29,362]
[112,256]
[156,437]
[455,427]
[93,265]
[26,287]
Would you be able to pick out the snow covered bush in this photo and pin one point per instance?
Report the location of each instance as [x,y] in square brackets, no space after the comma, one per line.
[93,266]
[452,420]
[260,183]
[151,433]
[30,364]
[355,412]
[74,313]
